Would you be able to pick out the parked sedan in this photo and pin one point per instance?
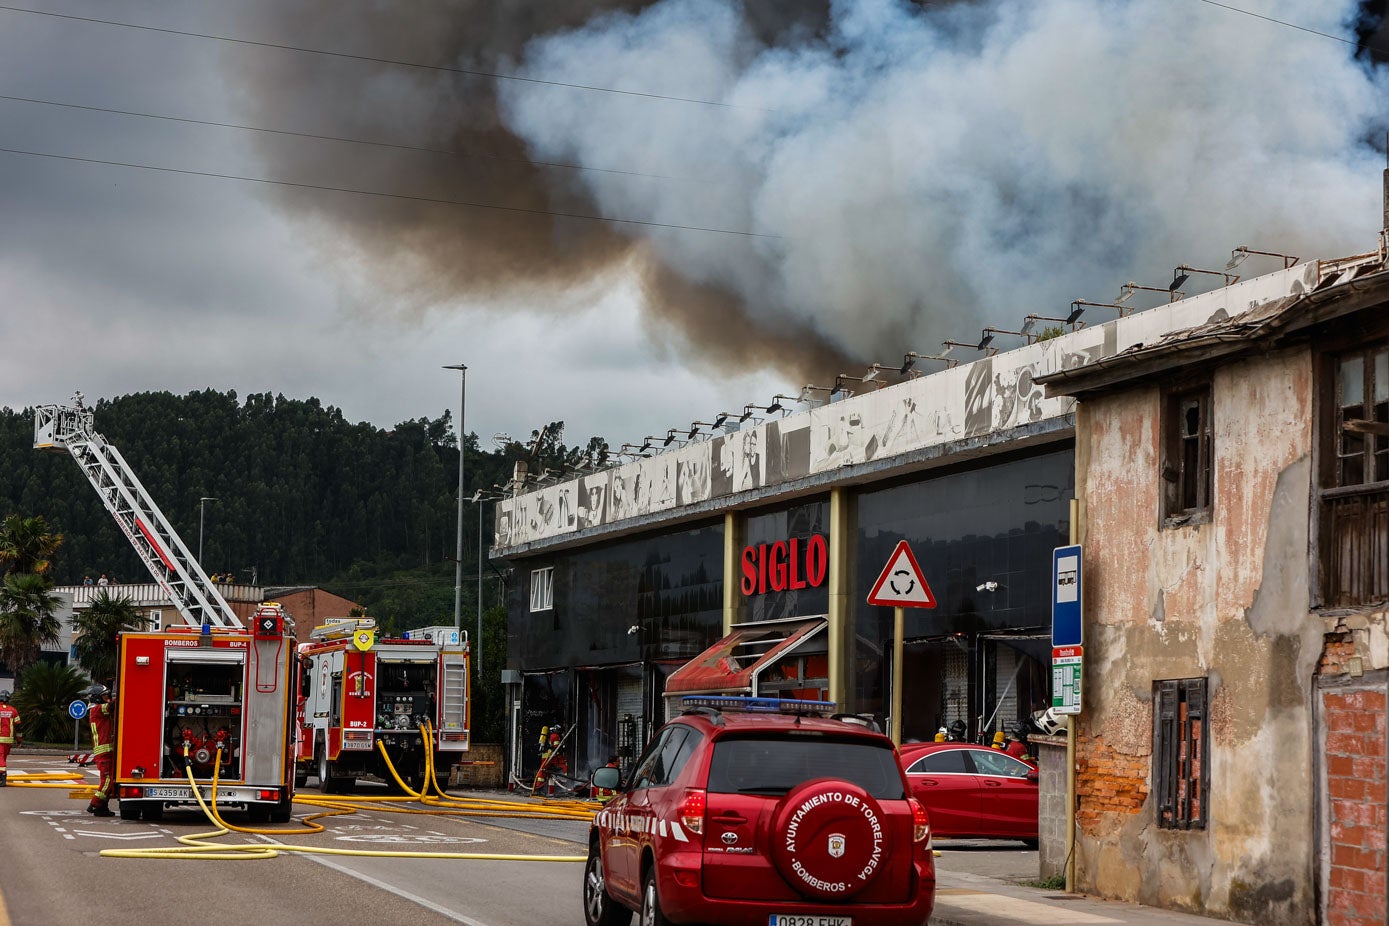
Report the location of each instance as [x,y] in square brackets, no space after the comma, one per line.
[973,791]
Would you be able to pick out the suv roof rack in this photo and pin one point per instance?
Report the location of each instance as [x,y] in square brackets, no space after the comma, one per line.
[716,704]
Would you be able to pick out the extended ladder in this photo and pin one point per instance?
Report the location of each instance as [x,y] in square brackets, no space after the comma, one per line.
[63,427]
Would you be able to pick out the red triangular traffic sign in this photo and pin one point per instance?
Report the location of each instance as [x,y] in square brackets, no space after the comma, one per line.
[902,585]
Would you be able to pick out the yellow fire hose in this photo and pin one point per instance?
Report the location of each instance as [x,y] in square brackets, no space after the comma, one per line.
[197,846]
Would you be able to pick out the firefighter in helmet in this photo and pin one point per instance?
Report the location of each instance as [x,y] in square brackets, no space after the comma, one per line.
[606,794]
[101,712]
[9,732]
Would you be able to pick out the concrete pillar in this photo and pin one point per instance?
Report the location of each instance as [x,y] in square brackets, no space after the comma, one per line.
[843,525]
[734,533]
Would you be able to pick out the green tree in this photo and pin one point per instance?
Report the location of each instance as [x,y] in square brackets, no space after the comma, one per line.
[27,618]
[99,627]
[27,545]
[42,698]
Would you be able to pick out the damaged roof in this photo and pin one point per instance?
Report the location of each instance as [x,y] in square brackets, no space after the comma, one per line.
[1344,287]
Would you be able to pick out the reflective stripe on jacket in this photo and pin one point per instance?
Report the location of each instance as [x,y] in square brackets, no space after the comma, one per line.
[100,717]
[9,721]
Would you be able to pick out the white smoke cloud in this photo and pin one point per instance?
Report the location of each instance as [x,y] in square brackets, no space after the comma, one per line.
[924,171]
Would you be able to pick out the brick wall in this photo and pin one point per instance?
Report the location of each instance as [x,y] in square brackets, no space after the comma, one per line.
[1108,781]
[1357,791]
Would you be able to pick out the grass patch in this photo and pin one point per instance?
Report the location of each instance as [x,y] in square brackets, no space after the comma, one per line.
[1054,883]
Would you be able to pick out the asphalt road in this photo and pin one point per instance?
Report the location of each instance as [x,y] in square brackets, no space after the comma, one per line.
[51,873]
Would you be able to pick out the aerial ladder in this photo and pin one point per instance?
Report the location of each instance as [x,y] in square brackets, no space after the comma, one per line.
[178,572]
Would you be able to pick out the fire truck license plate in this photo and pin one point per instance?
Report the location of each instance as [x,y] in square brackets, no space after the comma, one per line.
[185,794]
[797,919]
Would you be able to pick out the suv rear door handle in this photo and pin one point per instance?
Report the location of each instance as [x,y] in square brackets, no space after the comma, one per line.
[733,817]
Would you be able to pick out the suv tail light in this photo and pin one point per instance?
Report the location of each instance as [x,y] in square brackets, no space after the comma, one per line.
[692,811]
[921,823]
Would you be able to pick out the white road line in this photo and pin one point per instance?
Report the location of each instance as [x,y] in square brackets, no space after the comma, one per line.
[389,888]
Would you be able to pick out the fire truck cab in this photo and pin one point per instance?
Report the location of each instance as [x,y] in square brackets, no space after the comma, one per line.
[357,690]
[220,700]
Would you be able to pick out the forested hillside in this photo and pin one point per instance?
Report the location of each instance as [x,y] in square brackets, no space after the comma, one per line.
[303,496]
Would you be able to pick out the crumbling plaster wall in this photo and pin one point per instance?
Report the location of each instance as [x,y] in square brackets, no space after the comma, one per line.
[1225,598]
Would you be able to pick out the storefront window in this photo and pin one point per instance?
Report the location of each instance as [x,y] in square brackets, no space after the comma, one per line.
[783,563]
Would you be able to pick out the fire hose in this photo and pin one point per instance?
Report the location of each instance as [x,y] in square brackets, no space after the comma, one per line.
[199,846]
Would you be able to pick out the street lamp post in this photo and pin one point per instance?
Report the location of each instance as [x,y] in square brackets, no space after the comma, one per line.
[480,499]
[478,657]
[202,507]
[458,557]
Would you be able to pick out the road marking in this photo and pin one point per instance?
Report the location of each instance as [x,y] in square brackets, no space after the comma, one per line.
[412,838]
[384,886]
[1029,911]
[117,835]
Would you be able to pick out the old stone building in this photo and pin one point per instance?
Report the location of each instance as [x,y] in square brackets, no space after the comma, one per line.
[1233,482]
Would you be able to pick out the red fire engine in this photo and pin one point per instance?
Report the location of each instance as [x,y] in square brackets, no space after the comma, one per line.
[189,695]
[357,690]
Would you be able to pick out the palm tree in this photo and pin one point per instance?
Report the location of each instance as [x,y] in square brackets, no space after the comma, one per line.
[27,619]
[27,545]
[42,699]
[99,627]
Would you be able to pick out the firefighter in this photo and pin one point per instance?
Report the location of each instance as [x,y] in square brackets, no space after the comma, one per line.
[9,732]
[606,794]
[101,710]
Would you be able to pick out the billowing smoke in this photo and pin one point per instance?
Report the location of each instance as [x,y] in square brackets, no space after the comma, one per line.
[854,179]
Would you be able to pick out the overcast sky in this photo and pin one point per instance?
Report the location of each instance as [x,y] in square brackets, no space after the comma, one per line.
[866,180]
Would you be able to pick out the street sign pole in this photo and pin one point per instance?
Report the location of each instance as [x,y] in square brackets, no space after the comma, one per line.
[900,586]
[898,620]
[76,710]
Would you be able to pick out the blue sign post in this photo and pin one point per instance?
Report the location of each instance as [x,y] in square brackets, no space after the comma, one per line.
[1067,630]
[1066,626]
[76,710]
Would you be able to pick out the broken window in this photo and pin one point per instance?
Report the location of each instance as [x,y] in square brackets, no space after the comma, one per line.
[1188,457]
[1181,760]
[1354,490]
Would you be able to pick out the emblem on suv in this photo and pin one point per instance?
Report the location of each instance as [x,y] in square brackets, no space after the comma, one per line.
[836,847]
[729,838]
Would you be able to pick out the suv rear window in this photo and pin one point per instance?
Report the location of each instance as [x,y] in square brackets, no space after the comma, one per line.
[775,765]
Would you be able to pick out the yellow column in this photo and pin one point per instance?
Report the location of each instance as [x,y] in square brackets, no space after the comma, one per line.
[841,608]
[733,534]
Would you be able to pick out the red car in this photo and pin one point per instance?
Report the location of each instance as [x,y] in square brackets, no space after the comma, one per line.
[973,791]
[757,812]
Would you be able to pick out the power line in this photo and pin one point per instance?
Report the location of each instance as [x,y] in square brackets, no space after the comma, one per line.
[369,58]
[338,138]
[1280,22]
[403,196]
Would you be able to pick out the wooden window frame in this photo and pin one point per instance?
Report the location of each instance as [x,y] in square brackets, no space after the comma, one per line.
[1352,520]
[1188,459]
[1181,753]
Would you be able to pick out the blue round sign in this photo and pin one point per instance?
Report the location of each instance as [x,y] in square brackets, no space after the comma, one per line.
[77,710]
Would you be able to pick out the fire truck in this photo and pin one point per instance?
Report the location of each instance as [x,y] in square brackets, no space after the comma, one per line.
[357,690]
[211,696]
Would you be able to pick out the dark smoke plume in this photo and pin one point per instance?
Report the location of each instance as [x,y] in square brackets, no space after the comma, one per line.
[907,172]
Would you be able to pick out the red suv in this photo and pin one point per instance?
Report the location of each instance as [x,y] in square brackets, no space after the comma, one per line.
[759,812]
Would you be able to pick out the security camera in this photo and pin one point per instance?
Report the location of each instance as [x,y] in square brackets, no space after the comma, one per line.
[989,586]
[632,629]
